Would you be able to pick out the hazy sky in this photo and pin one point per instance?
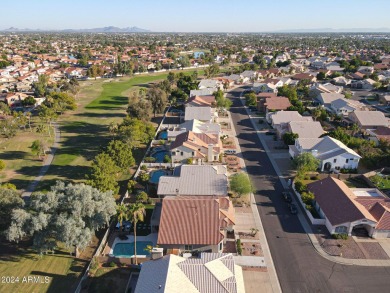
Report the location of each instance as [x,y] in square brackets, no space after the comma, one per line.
[198,16]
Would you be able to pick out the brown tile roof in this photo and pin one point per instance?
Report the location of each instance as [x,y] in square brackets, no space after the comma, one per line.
[187,221]
[194,140]
[277,103]
[266,95]
[202,100]
[302,76]
[336,200]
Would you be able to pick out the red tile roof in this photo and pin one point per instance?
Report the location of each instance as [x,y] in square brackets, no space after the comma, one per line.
[277,103]
[187,221]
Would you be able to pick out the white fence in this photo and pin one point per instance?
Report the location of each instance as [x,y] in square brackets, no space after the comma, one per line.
[309,215]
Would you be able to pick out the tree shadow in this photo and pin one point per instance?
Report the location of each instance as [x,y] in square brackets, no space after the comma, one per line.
[101,115]
[13,155]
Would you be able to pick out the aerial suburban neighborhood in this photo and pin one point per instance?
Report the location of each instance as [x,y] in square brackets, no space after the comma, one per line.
[135,160]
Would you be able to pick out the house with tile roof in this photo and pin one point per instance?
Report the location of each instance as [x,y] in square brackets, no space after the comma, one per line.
[208,273]
[332,153]
[195,180]
[326,99]
[281,119]
[369,119]
[201,101]
[195,126]
[190,223]
[380,133]
[203,92]
[344,106]
[345,209]
[204,114]
[306,129]
[201,147]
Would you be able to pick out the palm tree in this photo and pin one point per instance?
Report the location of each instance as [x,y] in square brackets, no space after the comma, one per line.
[136,213]
[122,214]
[354,129]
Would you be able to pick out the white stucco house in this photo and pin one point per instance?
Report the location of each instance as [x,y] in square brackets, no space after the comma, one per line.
[332,153]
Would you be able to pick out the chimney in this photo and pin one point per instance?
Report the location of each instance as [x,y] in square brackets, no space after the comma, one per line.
[157,252]
[314,153]
[210,153]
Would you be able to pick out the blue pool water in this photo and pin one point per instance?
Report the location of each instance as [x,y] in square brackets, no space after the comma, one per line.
[127,249]
[163,135]
[159,155]
[155,175]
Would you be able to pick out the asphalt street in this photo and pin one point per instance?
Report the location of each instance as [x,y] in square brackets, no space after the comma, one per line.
[299,267]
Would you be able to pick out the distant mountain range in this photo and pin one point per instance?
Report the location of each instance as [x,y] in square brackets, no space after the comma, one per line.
[107,29]
[332,30]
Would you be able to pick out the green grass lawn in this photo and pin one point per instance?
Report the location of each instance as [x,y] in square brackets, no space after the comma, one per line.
[382,182]
[62,271]
[21,164]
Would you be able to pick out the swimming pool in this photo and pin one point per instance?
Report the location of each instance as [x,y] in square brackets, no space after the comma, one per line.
[127,249]
[159,155]
[155,176]
[163,135]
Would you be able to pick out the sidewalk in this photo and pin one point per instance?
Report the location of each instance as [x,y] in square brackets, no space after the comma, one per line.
[301,217]
[46,164]
[270,281]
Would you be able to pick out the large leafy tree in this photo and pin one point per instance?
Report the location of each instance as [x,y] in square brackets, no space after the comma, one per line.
[121,153]
[221,100]
[250,99]
[306,162]
[67,213]
[134,131]
[158,99]
[60,102]
[139,107]
[241,184]
[104,173]
[9,200]
[289,138]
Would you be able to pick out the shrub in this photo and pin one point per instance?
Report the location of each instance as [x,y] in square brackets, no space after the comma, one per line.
[239,247]
[143,177]
[307,197]
[112,264]
[167,159]
[142,197]
[340,236]
[144,168]
[314,178]
[150,159]
[300,187]
[190,161]
[2,165]
[348,171]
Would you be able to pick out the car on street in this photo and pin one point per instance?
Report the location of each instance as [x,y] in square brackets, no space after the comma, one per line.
[230,152]
[293,208]
[270,133]
[287,196]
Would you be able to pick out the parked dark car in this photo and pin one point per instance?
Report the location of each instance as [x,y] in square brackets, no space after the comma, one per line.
[270,133]
[252,108]
[293,208]
[287,196]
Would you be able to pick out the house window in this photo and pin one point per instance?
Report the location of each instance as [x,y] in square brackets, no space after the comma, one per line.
[188,247]
[220,246]
[341,230]
[346,161]
[181,153]
[335,160]
[193,153]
